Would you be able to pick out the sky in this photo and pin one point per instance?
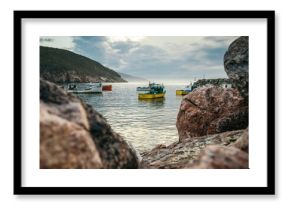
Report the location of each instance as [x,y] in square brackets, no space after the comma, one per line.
[175,58]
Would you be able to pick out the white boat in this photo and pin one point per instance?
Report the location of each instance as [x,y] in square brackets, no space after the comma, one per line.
[188,88]
[91,88]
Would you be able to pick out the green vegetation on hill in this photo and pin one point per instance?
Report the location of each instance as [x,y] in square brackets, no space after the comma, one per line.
[63,66]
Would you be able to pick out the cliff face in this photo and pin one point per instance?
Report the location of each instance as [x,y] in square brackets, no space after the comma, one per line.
[62,66]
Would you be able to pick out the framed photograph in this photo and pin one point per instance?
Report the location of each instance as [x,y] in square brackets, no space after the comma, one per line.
[144,102]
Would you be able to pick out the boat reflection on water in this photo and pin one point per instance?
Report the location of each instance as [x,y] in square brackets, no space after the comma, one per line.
[152,103]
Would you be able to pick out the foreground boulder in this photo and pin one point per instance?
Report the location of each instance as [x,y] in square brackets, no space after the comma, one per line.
[210,110]
[65,144]
[187,153]
[236,63]
[74,135]
[221,157]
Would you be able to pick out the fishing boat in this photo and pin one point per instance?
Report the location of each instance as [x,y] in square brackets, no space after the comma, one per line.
[186,90]
[91,88]
[181,92]
[107,88]
[145,88]
[156,91]
[71,87]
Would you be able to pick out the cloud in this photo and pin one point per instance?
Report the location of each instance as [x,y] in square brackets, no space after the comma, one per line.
[64,42]
[123,47]
[90,46]
[168,57]
[46,40]
[125,38]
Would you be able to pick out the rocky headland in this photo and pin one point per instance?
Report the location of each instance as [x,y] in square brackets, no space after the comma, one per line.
[212,125]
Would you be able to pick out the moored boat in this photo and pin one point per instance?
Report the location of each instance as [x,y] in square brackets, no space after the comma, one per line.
[71,87]
[107,88]
[181,92]
[91,88]
[156,91]
[151,96]
[186,90]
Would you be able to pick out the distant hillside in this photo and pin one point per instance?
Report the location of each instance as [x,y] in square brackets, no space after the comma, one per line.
[131,78]
[62,66]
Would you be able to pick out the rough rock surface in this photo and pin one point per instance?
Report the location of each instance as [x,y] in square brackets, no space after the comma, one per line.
[65,144]
[221,157]
[243,142]
[74,135]
[210,110]
[184,154]
[236,63]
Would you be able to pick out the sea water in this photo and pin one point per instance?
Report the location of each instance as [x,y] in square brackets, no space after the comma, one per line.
[143,123]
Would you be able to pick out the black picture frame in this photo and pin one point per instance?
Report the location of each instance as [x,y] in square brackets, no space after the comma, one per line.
[19,189]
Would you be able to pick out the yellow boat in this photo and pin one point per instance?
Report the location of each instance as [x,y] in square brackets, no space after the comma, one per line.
[181,92]
[150,96]
[186,90]
[155,91]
